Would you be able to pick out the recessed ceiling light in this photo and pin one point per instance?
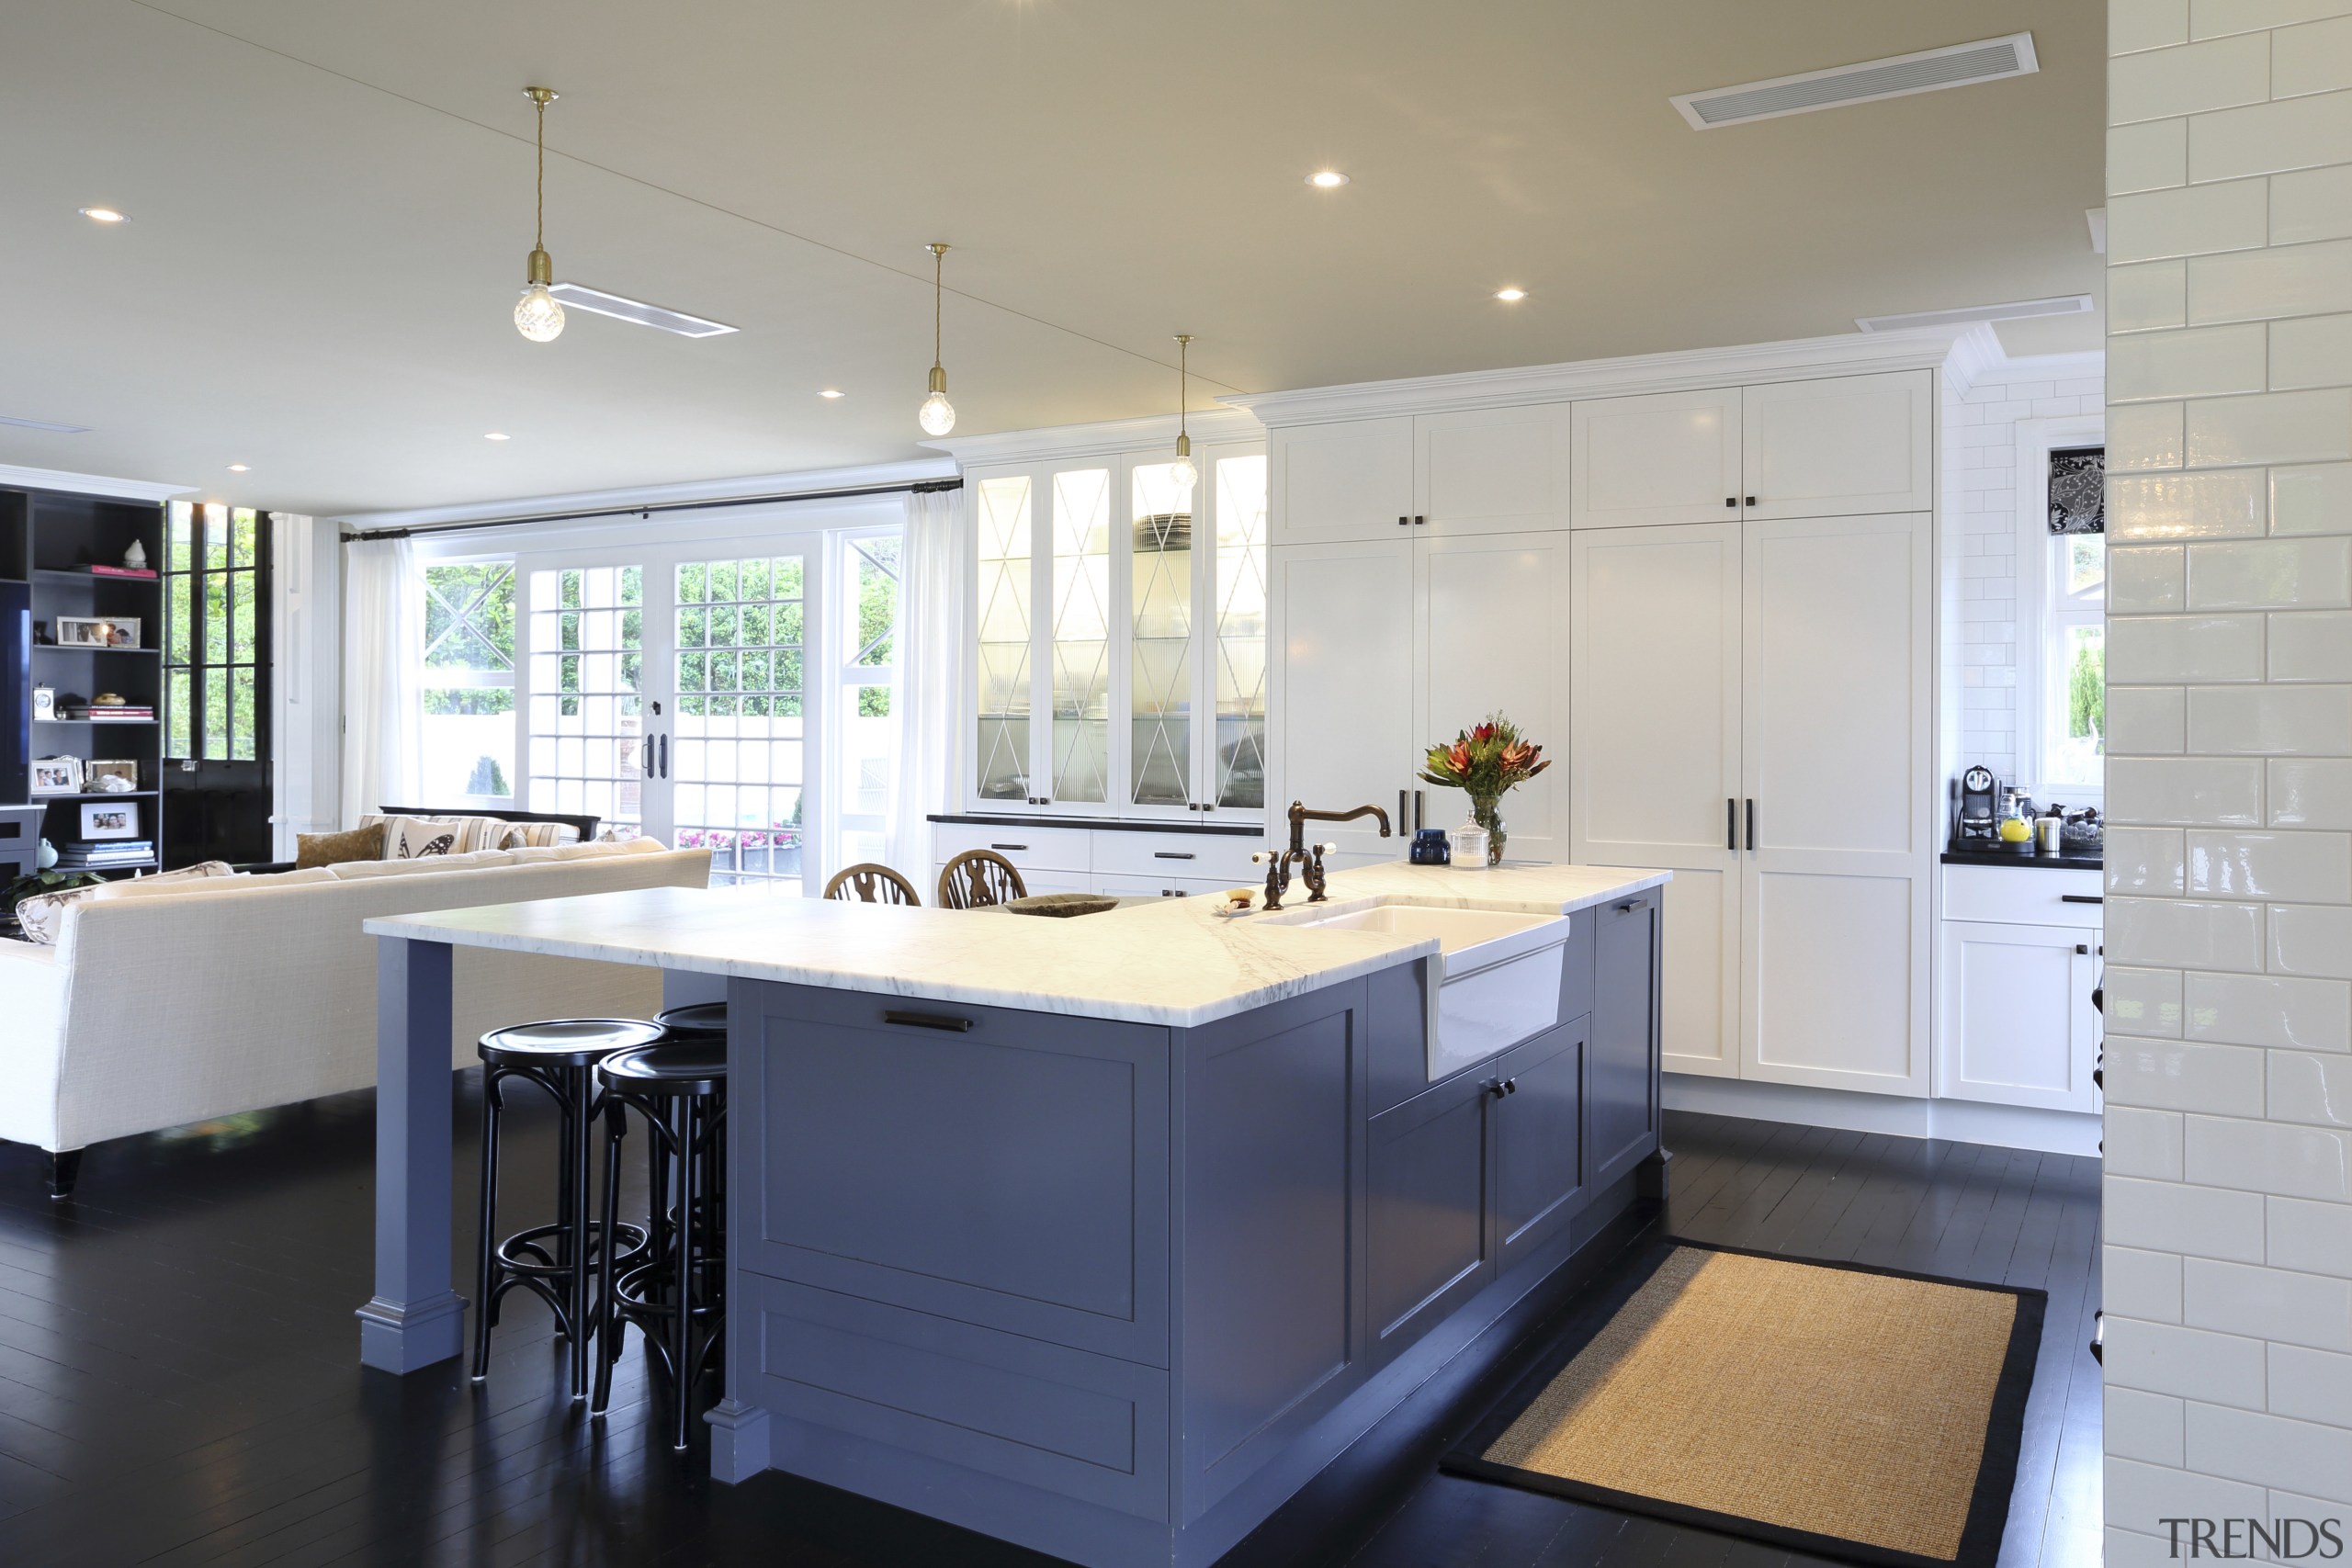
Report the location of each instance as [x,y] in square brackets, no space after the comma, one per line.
[239,468]
[1511,296]
[495,435]
[104,215]
[1327,179]
[831,393]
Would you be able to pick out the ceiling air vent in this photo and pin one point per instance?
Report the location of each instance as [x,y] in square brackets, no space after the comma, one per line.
[621,308]
[1956,65]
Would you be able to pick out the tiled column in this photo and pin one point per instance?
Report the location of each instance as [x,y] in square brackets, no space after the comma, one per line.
[2228,917]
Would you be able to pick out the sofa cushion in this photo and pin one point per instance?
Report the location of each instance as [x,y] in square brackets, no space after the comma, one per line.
[329,848]
[168,887]
[41,914]
[419,837]
[537,835]
[467,834]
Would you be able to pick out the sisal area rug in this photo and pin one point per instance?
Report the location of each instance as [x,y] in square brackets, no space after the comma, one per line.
[1845,1411]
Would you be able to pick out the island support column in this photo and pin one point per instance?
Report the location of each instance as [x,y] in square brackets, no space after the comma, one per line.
[415,1319]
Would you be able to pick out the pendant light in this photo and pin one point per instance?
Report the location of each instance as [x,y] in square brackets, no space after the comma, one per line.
[537,315]
[1183,473]
[937,415]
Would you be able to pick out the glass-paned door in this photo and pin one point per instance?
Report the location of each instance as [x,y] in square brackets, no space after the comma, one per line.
[738,781]
[468,684]
[1161,768]
[1003,619]
[215,647]
[1238,766]
[865,740]
[584,710]
[1081,639]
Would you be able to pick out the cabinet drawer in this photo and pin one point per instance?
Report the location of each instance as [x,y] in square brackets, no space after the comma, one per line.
[2024,896]
[1160,886]
[1202,857]
[1031,849]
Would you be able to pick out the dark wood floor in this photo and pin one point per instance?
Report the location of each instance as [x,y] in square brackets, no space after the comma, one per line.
[178,1382]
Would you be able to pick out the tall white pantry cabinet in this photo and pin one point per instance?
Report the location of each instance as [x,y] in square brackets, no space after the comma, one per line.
[1714,602]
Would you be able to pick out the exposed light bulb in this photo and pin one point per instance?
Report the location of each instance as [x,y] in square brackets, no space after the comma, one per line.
[937,415]
[1186,476]
[537,316]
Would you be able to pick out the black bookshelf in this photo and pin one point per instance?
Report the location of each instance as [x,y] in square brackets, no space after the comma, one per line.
[49,541]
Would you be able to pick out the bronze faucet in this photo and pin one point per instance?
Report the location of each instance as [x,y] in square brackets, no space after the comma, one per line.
[1310,858]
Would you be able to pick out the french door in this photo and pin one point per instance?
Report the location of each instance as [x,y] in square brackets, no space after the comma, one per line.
[669,691]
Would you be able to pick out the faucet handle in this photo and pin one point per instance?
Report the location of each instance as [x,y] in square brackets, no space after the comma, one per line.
[1262,857]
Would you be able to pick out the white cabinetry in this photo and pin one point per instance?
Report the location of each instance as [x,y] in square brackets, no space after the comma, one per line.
[1753,709]
[1128,862]
[1343,662]
[2020,952]
[1475,471]
[1328,482]
[1843,445]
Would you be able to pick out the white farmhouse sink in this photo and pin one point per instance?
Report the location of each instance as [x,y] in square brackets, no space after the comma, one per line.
[1497,970]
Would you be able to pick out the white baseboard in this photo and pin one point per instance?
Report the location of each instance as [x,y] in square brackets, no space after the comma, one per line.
[1963,1121]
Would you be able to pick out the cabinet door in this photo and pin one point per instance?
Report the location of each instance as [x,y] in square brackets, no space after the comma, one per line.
[1654,759]
[1672,458]
[1491,470]
[1233,633]
[1003,630]
[1343,687]
[1624,1090]
[1836,721]
[1492,615]
[1329,482]
[2016,1025]
[1838,448]
[1540,1155]
[1076,768]
[1425,1203]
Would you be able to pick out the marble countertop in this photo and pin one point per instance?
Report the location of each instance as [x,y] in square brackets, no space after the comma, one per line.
[1175,962]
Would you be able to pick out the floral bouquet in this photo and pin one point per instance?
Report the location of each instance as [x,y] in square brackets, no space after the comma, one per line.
[1485,762]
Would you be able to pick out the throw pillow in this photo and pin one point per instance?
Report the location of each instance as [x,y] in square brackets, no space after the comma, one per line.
[535,834]
[471,832]
[332,849]
[416,837]
[42,915]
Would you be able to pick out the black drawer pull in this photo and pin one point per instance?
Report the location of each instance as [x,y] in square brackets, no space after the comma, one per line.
[929,1021]
[1016,848]
[2080,898]
[2083,949]
[1173,854]
[1629,906]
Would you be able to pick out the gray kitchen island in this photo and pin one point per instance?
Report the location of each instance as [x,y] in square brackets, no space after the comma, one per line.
[1103,1235]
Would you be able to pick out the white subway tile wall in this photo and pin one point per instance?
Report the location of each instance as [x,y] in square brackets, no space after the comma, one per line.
[2227,1266]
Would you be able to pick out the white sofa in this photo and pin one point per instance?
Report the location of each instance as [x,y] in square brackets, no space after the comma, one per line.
[168,1002]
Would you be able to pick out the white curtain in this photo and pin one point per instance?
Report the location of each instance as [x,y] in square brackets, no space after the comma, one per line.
[383,657]
[931,642]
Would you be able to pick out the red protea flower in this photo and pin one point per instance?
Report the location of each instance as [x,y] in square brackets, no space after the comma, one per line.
[1458,757]
[1484,732]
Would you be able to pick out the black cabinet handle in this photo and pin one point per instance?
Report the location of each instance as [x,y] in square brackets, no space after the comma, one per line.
[1173,854]
[1404,522]
[1420,816]
[2080,898]
[929,1021]
[2083,948]
[1012,847]
[1751,825]
[1732,500]
[1731,824]
[1629,906]
[1752,501]
[1402,815]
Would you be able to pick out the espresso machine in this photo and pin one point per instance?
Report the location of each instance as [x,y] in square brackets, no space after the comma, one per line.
[1976,821]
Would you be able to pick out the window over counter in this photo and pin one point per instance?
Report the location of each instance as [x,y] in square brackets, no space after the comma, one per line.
[2062,605]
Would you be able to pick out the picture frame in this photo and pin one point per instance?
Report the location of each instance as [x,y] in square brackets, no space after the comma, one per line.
[44,701]
[54,776]
[125,769]
[103,819]
[97,631]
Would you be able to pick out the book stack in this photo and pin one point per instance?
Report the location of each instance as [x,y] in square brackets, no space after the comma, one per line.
[98,854]
[110,712]
[120,571]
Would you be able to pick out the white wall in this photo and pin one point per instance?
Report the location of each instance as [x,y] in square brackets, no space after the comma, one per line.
[1980,503]
[2229,919]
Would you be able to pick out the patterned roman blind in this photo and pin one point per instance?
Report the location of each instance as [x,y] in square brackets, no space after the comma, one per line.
[2078,489]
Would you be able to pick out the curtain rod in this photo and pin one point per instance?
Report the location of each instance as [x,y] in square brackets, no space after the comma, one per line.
[911,486]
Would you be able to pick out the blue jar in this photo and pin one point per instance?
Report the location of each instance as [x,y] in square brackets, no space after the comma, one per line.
[1430,847]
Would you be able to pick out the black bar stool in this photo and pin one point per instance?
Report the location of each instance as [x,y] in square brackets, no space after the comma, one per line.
[697,1020]
[556,1263]
[675,1293]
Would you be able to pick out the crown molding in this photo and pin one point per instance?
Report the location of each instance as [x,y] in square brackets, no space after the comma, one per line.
[1849,354]
[1102,439]
[745,485]
[89,484]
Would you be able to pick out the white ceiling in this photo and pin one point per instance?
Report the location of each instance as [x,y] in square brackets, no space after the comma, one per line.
[331,205]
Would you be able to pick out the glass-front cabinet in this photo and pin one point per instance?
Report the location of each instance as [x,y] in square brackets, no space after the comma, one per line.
[1119,629]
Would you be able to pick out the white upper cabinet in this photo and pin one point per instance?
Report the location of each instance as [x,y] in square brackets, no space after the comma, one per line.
[1491,470]
[1343,657]
[1669,458]
[1331,483]
[1842,447]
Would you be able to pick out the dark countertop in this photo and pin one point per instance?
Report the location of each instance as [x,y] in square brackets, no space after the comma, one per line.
[2005,857]
[1227,830]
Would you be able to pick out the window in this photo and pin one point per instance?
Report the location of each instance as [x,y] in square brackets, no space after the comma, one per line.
[2073,663]
[2061,604]
[867,678]
[469,683]
[215,646]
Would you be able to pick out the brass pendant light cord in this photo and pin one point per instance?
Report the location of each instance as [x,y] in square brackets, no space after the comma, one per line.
[540,219]
[938,262]
[1183,386]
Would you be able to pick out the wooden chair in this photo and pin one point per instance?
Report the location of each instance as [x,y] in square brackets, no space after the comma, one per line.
[873,882]
[978,878]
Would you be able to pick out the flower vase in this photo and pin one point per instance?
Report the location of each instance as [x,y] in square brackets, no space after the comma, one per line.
[1486,810]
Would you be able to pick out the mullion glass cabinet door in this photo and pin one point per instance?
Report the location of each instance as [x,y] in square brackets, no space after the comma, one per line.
[1160,647]
[1236,634]
[1002,622]
[1080,637]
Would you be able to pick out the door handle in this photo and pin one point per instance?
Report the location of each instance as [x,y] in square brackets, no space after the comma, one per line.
[1731,824]
[665,756]
[929,1021]
[1751,824]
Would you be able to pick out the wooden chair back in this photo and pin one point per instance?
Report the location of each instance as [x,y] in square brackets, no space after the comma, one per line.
[873,882]
[978,878]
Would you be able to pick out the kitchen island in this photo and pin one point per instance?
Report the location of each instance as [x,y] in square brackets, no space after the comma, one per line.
[1105,1234]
